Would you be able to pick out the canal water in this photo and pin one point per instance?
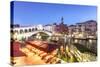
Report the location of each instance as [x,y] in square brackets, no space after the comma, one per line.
[79,50]
[88,45]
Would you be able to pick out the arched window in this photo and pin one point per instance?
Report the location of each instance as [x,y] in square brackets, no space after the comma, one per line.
[32,29]
[11,31]
[21,31]
[29,30]
[26,31]
[16,31]
[36,29]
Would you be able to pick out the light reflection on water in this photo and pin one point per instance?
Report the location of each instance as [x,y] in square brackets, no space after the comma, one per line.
[90,44]
[87,44]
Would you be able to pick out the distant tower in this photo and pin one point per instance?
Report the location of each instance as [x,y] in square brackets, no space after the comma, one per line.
[62,20]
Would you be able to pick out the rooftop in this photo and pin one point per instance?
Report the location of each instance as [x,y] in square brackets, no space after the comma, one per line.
[48,47]
[15,50]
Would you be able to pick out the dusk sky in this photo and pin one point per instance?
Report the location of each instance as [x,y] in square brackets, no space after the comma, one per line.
[32,13]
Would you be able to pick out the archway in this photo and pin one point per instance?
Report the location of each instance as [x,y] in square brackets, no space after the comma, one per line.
[40,35]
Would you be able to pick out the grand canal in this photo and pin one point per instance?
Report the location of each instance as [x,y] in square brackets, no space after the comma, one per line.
[54,50]
[74,50]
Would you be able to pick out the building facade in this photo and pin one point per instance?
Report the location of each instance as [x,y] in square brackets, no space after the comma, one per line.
[72,29]
[89,27]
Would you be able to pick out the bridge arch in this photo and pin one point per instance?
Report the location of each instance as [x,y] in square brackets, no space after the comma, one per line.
[46,32]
